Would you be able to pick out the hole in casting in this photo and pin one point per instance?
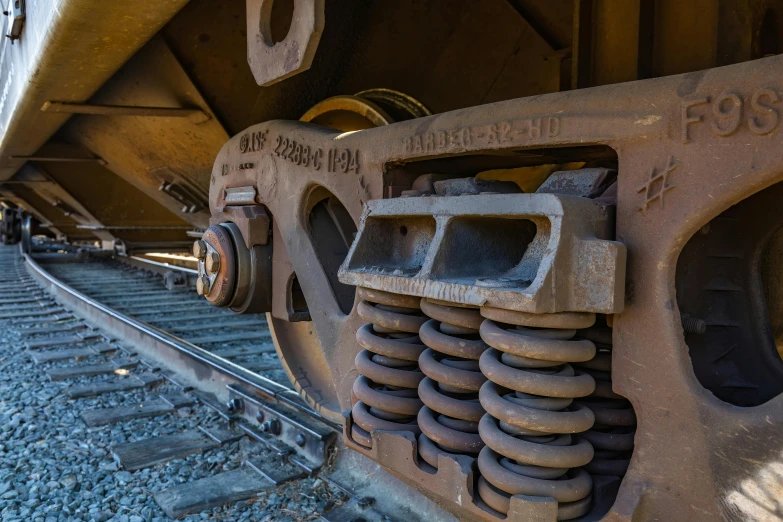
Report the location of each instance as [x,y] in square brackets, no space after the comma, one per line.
[276,19]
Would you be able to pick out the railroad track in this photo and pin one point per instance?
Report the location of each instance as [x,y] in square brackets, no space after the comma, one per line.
[242,339]
[104,329]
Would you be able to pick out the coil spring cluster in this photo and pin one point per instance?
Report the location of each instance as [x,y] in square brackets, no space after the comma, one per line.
[449,420]
[530,394]
[531,414]
[385,395]
[615,422]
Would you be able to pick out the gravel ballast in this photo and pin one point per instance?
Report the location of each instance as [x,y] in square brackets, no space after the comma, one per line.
[54,468]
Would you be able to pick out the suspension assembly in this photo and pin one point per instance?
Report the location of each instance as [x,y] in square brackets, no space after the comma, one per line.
[509,208]
[513,382]
[529,428]
[385,395]
[449,419]
[613,432]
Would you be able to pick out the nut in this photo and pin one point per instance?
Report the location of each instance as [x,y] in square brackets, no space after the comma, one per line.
[199,249]
[205,284]
[271,426]
[212,262]
[365,502]
[236,405]
[199,286]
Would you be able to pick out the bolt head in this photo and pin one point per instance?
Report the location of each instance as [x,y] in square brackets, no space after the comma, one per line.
[212,262]
[260,416]
[205,283]
[200,249]
[271,426]
[199,286]
[301,440]
[365,502]
[236,405]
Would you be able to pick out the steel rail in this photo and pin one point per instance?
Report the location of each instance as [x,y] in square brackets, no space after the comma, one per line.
[155,266]
[200,368]
[305,432]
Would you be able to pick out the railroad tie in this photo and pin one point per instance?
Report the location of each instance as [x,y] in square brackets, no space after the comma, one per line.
[43,320]
[228,337]
[223,488]
[56,329]
[40,357]
[31,313]
[155,407]
[156,450]
[54,341]
[242,351]
[244,483]
[133,382]
[90,370]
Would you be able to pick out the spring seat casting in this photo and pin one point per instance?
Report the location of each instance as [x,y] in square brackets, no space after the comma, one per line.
[531,413]
[450,417]
[385,395]
[615,422]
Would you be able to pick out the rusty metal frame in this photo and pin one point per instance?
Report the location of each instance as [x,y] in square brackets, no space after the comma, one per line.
[688,147]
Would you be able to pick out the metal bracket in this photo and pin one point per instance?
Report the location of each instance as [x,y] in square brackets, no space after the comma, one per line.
[253,222]
[273,61]
[307,438]
[546,242]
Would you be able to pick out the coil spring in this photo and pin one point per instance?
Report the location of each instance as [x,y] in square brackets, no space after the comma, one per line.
[385,394]
[615,422]
[451,413]
[531,414]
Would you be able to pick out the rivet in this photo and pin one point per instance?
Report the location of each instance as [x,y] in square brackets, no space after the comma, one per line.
[236,405]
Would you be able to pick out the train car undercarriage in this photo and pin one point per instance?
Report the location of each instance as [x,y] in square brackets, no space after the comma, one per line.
[524,255]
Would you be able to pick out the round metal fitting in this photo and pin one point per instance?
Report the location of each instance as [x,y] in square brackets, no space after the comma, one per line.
[272,426]
[365,110]
[199,249]
[245,269]
[223,281]
[212,262]
[260,416]
[199,286]
[365,502]
[205,284]
[236,405]
[301,440]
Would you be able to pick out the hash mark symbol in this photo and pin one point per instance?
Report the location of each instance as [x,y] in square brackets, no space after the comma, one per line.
[658,184]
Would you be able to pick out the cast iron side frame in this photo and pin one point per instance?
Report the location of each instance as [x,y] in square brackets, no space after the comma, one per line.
[688,146]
